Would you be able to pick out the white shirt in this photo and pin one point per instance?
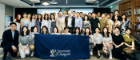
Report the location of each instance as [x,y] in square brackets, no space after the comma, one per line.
[31,24]
[46,23]
[98,38]
[69,22]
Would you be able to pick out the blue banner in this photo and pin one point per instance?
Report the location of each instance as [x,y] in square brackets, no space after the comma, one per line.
[61,46]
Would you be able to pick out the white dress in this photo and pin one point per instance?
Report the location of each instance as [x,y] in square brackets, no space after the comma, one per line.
[107,40]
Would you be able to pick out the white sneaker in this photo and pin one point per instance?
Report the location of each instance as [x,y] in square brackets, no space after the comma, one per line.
[91,53]
[32,54]
[110,57]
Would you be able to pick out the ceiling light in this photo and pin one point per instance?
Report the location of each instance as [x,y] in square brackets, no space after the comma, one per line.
[45,3]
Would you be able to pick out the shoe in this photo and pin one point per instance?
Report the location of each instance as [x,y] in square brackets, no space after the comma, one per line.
[98,56]
[91,53]
[32,54]
[110,57]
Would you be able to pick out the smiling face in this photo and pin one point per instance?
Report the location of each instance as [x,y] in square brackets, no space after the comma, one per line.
[24,29]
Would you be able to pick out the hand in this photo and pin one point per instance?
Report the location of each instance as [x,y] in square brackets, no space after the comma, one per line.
[94,44]
[90,31]
[23,50]
[26,48]
[83,30]
[132,48]
[14,49]
[33,36]
[116,46]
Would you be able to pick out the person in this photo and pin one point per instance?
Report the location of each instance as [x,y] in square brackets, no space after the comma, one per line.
[44,30]
[89,16]
[55,31]
[38,22]
[78,21]
[10,41]
[117,23]
[31,39]
[124,24]
[74,14]
[87,33]
[103,22]
[65,13]
[36,16]
[60,22]
[29,17]
[94,23]
[46,22]
[81,15]
[111,15]
[32,22]
[118,43]
[97,40]
[99,15]
[110,23]
[116,14]
[107,42]
[24,21]
[129,48]
[66,31]
[86,23]
[24,42]
[53,22]
[70,22]
[18,18]
[77,31]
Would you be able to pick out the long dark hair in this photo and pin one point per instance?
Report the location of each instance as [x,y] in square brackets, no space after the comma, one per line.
[125,17]
[31,17]
[46,30]
[56,28]
[79,31]
[51,17]
[22,32]
[103,33]
[40,18]
[84,18]
[47,17]
[86,29]
[34,28]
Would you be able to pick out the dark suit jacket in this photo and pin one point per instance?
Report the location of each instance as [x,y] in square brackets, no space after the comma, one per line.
[72,21]
[8,40]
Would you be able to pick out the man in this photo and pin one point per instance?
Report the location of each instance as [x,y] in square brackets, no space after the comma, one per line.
[78,21]
[10,41]
[65,13]
[89,16]
[94,23]
[116,14]
[111,15]
[60,22]
[81,14]
[103,22]
[74,14]
[70,22]
[66,31]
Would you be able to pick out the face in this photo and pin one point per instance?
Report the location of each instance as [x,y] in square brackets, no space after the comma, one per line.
[116,18]
[66,30]
[117,30]
[13,27]
[81,14]
[35,29]
[46,16]
[36,16]
[65,12]
[93,14]
[25,15]
[29,15]
[73,13]
[123,16]
[128,32]
[33,16]
[89,14]
[111,14]
[99,14]
[97,30]
[116,12]
[108,16]
[19,16]
[77,14]
[86,17]
[77,30]
[87,30]
[69,13]
[24,29]
[105,29]
[55,30]
[52,16]
[60,13]
[44,29]
[103,15]
[39,16]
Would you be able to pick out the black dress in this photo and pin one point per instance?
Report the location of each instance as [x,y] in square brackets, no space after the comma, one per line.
[117,52]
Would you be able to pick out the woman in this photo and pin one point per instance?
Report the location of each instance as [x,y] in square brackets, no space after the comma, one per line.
[55,31]
[29,17]
[110,23]
[24,42]
[46,22]
[97,38]
[66,31]
[124,24]
[107,42]
[18,18]
[87,33]
[24,21]
[32,22]
[53,22]
[86,24]
[38,22]
[118,42]
[31,39]
[117,23]
[44,30]
[129,48]
[77,31]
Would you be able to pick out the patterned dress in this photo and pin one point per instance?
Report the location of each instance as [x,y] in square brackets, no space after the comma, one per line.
[124,26]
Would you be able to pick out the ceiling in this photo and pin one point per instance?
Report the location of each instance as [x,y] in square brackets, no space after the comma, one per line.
[61,3]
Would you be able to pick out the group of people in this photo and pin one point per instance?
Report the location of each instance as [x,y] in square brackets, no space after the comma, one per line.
[107,32]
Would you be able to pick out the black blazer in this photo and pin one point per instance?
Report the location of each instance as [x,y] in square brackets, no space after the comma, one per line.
[72,21]
[8,40]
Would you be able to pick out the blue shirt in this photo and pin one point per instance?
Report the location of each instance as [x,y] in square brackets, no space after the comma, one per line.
[78,22]
[13,33]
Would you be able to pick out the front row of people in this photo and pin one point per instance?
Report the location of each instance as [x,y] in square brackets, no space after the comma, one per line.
[114,44]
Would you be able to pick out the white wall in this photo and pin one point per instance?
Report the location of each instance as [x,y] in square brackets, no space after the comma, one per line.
[2,19]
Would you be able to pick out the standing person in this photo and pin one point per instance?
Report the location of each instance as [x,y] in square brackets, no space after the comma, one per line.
[87,33]
[110,23]
[78,21]
[24,42]
[53,23]
[118,42]
[103,22]
[65,13]
[55,31]
[89,16]
[70,22]
[129,48]
[116,14]
[97,39]
[31,39]
[60,22]
[111,15]
[124,24]
[44,30]
[86,23]
[10,41]
[46,22]
[36,16]
[117,23]
[94,23]
[81,15]
[74,14]
[18,18]
[107,42]
[29,17]
[32,22]
[24,21]
[77,31]
[38,22]
[66,31]
[99,15]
